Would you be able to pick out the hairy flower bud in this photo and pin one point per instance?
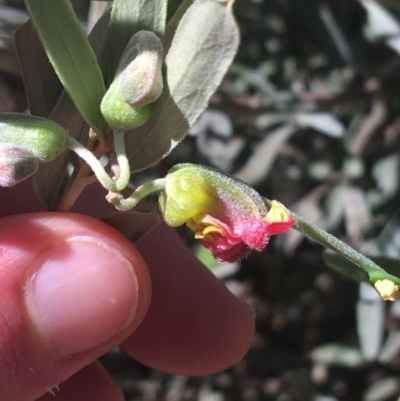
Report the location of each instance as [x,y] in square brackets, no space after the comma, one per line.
[141,79]
[226,215]
[43,139]
[137,83]
[16,164]
[120,114]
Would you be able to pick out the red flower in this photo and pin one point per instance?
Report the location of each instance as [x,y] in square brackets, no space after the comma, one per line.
[227,216]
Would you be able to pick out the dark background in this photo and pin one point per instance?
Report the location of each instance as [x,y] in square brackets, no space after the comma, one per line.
[308,114]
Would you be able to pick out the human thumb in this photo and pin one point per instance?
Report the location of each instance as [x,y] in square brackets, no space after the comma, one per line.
[71,288]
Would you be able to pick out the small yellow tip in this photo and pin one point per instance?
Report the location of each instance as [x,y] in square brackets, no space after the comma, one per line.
[387,289]
[278,213]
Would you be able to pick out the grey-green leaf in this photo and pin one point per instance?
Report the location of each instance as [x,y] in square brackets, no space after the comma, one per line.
[52,179]
[72,57]
[202,49]
[334,354]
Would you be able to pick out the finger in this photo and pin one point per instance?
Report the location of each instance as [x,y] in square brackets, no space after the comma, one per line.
[19,199]
[194,325]
[71,289]
[164,341]
[91,383]
[22,198]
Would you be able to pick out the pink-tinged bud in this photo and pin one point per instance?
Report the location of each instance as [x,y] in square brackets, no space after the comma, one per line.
[138,82]
[42,138]
[16,164]
[226,215]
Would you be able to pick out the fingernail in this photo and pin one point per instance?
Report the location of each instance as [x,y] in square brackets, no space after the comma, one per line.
[81,294]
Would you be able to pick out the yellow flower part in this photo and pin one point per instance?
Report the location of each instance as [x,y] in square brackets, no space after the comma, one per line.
[279,218]
[203,226]
[387,289]
[278,214]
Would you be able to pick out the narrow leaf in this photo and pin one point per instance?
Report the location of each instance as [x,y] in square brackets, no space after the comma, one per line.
[260,162]
[42,86]
[133,224]
[51,180]
[51,177]
[370,312]
[72,57]
[202,50]
[345,267]
[173,6]
[336,355]
[391,348]
[383,389]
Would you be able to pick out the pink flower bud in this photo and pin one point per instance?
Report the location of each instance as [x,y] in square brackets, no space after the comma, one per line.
[16,164]
[226,215]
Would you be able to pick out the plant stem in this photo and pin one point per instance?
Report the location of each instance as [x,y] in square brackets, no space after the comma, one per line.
[129,203]
[122,160]
[76,188]
[374,272]
[94,163]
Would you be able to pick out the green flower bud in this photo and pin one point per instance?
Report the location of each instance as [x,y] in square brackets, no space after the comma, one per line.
[120,114]
[16,164]
[138,82]
[43,139]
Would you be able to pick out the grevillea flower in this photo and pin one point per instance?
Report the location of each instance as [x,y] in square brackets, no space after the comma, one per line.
[227,216]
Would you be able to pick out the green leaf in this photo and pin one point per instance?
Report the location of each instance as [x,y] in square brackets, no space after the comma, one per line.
[72,57]
[202,49]
[42,86]
[127,18]
[390,265]
[52,179]
[133,224]
[345,267]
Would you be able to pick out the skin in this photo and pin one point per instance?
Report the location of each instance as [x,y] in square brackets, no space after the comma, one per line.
[156,302]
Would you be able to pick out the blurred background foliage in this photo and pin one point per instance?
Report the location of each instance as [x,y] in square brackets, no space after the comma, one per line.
[308,114]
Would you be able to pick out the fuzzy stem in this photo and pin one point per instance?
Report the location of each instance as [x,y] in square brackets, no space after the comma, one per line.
[94,163]
[374,272]
[122,160]
[141,192]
